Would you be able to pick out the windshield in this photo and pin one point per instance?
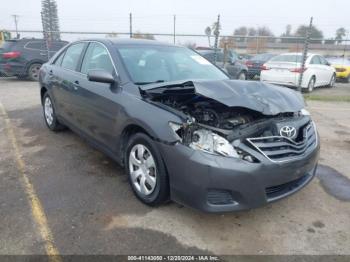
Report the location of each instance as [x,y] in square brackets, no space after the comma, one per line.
[148,64]
[287,58]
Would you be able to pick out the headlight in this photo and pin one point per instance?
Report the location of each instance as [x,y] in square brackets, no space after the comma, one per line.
[304,112]
[205,140]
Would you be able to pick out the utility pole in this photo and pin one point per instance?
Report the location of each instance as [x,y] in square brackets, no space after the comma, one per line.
[174,28]
[15,17]
[306,47]
[216,33]
[130,24]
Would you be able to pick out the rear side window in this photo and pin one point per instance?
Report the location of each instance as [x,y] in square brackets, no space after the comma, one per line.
[96,57]
[35,45]
[71,58]
[315,60]
[287,58]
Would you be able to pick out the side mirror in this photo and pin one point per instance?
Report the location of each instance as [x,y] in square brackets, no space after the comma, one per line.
[101,76]
[240,57]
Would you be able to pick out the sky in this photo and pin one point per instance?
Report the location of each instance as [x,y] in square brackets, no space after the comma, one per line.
[192,16]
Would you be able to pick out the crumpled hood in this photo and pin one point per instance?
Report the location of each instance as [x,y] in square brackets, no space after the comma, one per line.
[259,96]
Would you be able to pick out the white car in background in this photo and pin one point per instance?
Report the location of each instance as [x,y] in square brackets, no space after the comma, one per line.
[285,70]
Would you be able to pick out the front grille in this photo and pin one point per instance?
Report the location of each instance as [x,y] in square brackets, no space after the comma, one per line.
[219,197]
[275,191]
[279,148]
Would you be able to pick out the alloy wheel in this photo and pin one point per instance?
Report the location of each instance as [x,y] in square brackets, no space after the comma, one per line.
[34,72]
[142,168]
[48,111]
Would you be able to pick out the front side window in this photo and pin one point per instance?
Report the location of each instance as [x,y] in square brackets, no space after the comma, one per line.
[71,58]
[96,57]
[59,59]
[147,64]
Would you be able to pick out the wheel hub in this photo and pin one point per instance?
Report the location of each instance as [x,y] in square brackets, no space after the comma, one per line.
[142,169]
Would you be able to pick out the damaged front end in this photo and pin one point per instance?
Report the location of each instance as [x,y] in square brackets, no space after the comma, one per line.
[233,119]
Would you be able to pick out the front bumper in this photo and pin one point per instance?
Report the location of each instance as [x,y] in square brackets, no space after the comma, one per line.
[197,178]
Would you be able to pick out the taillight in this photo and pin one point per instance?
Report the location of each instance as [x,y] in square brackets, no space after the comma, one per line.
[264,67]
[340,69]
[11,55]
[298,70]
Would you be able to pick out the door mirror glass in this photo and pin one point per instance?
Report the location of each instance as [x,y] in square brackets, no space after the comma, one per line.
[101,76]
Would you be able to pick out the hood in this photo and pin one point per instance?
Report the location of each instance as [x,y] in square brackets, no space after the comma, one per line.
[259,96]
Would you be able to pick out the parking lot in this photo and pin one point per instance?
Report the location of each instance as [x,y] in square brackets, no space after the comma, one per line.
[58,193]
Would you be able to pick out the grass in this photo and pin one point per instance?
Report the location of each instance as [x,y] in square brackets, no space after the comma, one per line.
[345,98]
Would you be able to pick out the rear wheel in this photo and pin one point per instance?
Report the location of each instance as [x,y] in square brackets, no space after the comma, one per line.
[242,76]
[311,85]
[50,114]
[332,82]
[33,71]
[347,80]
[146,170]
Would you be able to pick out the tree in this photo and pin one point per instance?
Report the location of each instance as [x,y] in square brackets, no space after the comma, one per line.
[252,31]
[241,31]
[140,35]
[216,27]
[208,33]
[315,33]
[339,34]
[49,19]
[287,33]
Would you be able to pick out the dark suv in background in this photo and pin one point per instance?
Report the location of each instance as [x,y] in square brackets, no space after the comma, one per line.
[23,57]
[229,62]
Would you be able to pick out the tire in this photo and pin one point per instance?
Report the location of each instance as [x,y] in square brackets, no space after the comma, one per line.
[332,81]
[347,80]
[311,85]
[33,71]
[150,184]
[50,115]
[242,76]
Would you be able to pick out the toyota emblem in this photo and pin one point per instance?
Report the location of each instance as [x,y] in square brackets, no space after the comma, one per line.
[288,131]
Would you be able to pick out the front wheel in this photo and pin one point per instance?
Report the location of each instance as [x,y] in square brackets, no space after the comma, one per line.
[146,170]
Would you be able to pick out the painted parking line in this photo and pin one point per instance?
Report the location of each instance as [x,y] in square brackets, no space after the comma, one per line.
[38,213]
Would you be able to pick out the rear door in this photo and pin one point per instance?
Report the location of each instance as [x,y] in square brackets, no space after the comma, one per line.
[66,80]
[318,70]
[327,69]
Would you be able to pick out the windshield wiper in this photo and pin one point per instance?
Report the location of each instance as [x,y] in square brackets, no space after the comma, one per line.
[146,83]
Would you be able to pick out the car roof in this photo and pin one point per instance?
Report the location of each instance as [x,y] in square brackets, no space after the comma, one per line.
[128,41]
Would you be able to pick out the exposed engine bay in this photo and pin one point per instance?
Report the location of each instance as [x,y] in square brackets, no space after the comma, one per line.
[232,122]
[222,124]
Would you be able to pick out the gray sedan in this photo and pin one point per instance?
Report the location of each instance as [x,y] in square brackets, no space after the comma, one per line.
[181,128]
